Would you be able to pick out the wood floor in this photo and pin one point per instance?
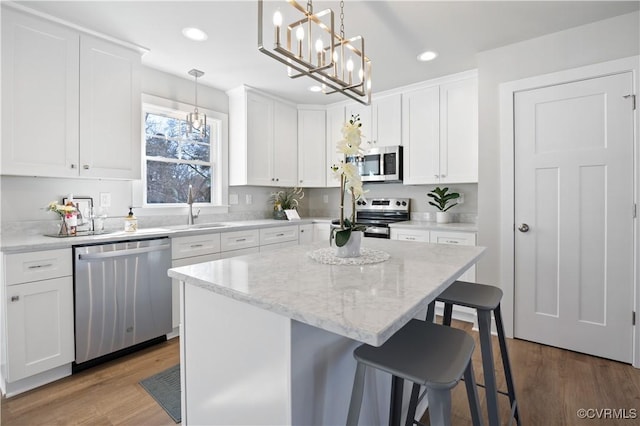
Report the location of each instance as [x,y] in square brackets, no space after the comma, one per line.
[552,385]
[108,394]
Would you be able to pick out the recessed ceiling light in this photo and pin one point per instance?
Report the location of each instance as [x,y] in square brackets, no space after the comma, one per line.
[195,34]
[315,89]
[427,56]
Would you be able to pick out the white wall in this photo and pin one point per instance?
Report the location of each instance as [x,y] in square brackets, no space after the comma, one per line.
[601,41]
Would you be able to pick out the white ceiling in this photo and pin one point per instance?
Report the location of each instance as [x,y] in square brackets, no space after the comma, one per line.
[394,31]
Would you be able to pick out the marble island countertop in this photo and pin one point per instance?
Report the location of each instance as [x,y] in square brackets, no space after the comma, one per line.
[367,303]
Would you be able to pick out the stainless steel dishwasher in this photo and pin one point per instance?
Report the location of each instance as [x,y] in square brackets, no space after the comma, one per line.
[122,298]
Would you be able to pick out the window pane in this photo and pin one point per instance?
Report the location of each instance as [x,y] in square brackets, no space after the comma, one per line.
[169,182]
[166,126]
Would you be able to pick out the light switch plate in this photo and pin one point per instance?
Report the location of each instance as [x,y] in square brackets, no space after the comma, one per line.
[233,199]
[105,199]
[248,198]
[325,198]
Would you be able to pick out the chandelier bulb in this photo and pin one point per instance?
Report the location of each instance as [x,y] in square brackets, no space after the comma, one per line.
[300,33]
[277,19]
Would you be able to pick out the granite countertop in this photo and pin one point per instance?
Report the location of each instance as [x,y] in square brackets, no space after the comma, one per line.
[22,242]
[434,226]
[367,303]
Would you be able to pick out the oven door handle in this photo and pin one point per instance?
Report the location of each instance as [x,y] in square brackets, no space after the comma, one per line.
[377,230]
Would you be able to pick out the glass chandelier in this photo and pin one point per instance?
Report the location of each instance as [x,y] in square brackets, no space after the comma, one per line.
[310,46]
[196,121]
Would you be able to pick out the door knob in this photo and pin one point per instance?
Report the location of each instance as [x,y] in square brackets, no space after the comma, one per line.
[523,227]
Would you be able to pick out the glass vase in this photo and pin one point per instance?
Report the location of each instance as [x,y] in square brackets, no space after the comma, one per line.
[63,231]
[352,248]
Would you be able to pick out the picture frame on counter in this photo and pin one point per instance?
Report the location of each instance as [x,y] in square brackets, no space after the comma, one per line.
[84,206]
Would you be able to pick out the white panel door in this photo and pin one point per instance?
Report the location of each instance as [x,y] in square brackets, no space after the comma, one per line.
[574,190]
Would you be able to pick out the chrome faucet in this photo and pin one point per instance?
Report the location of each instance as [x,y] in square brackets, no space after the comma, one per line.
[192,217]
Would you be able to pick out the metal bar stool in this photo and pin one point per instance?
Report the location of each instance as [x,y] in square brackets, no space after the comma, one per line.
[426,354]
[484,299]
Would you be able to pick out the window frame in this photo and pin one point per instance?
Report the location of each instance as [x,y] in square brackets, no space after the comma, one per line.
[218,159]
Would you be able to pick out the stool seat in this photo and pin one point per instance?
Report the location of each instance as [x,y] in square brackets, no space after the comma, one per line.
[472,295]
[426,354]
[422,352]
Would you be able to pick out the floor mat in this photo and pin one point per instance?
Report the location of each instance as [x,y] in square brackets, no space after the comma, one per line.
[164,387]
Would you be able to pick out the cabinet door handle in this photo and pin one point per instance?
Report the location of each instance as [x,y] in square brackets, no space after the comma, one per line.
[15,298]
[46,265]
[73,166]
[86,167]
[195,245]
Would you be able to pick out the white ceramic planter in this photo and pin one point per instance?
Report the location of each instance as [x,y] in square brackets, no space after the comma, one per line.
[352,248]
[443,217]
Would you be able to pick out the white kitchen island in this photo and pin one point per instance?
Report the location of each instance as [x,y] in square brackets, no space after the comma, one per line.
[268,338]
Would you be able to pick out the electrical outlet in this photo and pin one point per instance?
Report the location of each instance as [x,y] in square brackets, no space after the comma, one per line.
[325,198]
[233,199]
[248,198]
[105,199]
[460,199]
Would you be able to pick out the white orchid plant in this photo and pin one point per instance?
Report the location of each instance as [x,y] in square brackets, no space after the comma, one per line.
[349,179]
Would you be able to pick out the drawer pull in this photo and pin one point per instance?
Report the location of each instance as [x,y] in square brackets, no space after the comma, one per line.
[239,240]
[15,298]
[196,245]
[279,235]
[46,265]
[452,242]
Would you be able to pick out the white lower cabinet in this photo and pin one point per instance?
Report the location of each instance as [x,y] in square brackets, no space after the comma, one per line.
[38,306]
[443,237]
[189,251]
[419,235]
[305,234]
[236,240]
[321,231]
[459,238]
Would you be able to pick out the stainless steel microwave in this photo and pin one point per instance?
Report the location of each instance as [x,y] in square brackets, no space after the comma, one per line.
[381,164]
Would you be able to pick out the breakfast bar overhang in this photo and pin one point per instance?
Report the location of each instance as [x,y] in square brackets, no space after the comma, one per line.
[268,338]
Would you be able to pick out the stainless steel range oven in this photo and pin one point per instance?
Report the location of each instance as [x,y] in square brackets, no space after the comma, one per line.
[377,213]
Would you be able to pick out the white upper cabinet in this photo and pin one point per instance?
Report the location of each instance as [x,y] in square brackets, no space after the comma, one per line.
[70,101]
[381,121]
[110,110]
[263,148]
[440,133]
[459,131]
[311,148]
[336,116]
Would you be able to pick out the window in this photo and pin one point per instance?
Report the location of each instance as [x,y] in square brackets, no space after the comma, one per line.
[174,160]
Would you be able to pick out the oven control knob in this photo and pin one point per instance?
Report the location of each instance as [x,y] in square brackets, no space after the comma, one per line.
[404,203]
[397,203]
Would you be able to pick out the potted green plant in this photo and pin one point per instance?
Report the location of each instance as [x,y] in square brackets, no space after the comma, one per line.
[287,199]
[441,200]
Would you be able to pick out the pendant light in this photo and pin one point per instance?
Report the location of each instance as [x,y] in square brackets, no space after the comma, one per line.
[196,121]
